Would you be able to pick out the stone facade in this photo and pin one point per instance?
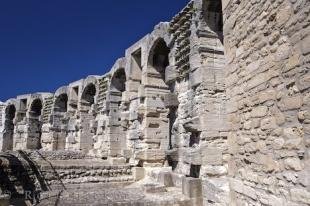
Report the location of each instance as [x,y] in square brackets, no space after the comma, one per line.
[220,94]
[267,55]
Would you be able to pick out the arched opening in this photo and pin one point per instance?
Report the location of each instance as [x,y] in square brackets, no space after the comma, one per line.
[61,103]
[36,108]
[118,81]
[117,106]
[160,96]
[10,113]
[87,116]
[35,125]
[60,121]
[212,12]
[159,59]
[88,96]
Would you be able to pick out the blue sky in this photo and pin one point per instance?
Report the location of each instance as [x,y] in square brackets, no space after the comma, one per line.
[45,44]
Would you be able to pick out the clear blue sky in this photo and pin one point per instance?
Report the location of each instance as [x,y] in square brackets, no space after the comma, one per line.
[45,44]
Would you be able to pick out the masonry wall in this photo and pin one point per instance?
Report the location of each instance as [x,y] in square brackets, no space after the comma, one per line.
[219,93]
[267,54]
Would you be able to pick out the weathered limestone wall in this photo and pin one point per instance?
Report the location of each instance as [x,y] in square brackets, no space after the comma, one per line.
[267,52]
[220,94]
[28,121]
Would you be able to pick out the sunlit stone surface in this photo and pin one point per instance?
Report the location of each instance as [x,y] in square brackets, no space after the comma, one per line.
[211,108]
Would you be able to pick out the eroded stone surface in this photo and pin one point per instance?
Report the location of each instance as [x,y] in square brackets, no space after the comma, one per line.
[220,94]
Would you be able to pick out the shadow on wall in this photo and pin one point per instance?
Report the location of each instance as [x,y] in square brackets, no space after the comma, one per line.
[18,180]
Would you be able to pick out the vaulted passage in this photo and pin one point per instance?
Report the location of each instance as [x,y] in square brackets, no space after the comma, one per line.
[118,81]
[61,103]
[159,60]
[88,96]
[212,11]
[35,125]
[60,121]
[88,115]
[116,107]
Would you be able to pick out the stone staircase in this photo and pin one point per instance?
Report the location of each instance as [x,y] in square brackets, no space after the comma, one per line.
[43,179]
[27,179]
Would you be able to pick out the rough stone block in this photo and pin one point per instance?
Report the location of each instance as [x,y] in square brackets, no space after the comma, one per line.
[117,161]
[300,195]
[293,163]
[216,190]
[290,103]
[211,156]
[151,155]
[138,173]
[192,187]
[269,123]
[305,45]
[165,178]
[260,111]
[192,156]
[170,74]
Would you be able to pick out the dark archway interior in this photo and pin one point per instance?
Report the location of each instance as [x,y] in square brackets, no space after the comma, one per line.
[10,112]
[89,94]
[61,103]
[212,11]
[35,124]
[36,108]
[118,81]
[160,57]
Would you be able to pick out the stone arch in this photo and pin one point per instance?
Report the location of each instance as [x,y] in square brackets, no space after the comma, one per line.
[213,16]
[59,120]
[61,103]
[61,98]
[10,113]
[158,58]
[88,111]
[89,92]
[35,124]
[89,95]
[35,109]
[117,105]
[118,80]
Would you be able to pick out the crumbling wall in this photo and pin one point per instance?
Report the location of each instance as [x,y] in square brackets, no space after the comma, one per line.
[101,145]
[54,128]
[73,126]
[87,113]
[267,52]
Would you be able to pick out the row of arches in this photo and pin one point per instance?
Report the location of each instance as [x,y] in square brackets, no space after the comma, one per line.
[158,60]
[34,113]
[15,115]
